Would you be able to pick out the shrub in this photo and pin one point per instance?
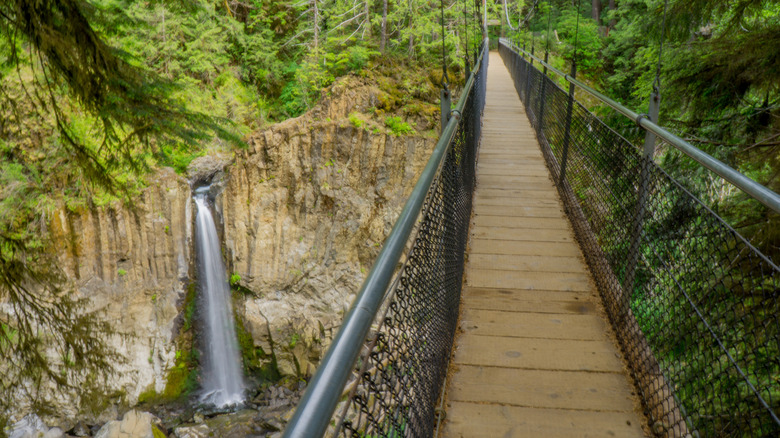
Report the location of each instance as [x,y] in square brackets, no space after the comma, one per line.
[356,121]
[398,126]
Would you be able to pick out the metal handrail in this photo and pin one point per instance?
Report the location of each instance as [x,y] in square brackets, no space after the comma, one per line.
[316,408]
[759,192]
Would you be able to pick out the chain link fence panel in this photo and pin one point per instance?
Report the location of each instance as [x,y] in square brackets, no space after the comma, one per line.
[694,304]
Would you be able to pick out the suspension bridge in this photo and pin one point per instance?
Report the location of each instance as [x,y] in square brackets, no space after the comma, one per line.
[547,278]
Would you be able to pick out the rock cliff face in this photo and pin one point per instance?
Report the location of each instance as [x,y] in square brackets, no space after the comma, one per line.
[305,211]
[133,265]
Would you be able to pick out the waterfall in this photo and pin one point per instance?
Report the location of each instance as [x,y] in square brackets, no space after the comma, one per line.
[221,374]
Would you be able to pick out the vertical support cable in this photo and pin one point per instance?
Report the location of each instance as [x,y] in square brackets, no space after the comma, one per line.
[540,124]
[478,12]
[484,20]
[466,37]
[446,104]
[567,132]
[528,76]
[570,105]
[644,185]
[644,179]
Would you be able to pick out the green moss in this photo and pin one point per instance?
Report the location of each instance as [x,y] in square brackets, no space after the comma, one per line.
[121,272]
[183,377]
[157,433]
[149,395]
[256,361]
[189,306]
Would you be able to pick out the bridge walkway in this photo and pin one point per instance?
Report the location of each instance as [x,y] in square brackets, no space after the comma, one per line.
[534,355]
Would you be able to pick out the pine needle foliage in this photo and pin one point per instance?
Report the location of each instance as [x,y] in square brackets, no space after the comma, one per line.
[49,342]
[132,105]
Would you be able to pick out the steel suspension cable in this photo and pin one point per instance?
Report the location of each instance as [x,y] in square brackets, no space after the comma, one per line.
[547,37]
[520,24]
[657,81]
[444,78]
[466,27]
[577,33]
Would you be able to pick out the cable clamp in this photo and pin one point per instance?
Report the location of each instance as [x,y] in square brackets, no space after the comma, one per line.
[639,118]
[455,113]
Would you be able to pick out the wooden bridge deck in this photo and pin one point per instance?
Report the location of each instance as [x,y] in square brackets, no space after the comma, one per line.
[534,356]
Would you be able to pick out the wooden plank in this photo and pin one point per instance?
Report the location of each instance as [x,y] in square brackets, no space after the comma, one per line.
[521,235]
[516,299]
[517,179]
[482,322]
[515,171]
[529,223]
[581,390]
[534,162]
[529,301]
[541,211]
[534,263]
[515,182]
[496,184]
[548,201]
[519,211]
[487,246]
[538,354]
[539,197]
[527,280]
[516,192]
[481,420]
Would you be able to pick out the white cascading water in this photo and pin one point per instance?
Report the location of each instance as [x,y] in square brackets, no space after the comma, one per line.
[222,379]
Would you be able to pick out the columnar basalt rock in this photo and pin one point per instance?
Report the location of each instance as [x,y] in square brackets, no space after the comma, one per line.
[133,265]
[306,208]
[303,212]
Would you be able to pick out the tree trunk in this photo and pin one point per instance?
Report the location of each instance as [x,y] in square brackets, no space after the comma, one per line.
[165,49]
[383,37]
[595,11]
[316,26]
[612,7]
[367,20]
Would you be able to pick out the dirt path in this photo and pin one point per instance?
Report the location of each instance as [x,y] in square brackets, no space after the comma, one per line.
[533,357]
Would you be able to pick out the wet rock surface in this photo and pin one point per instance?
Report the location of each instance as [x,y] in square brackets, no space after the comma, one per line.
[264,415]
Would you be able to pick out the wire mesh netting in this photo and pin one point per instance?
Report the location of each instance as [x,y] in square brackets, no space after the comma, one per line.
[695,306]
[399,376]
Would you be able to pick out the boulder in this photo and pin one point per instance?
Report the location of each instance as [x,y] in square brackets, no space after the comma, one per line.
[199,431]
[134,424]
[31,426]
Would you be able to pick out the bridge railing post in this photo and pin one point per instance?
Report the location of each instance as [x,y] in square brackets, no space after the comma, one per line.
[446,107]
[528,81]
[543,80]
[567,131]
[644,187]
